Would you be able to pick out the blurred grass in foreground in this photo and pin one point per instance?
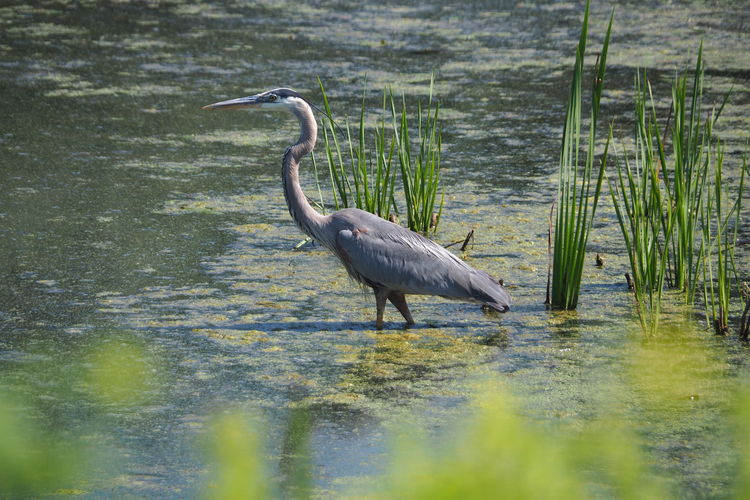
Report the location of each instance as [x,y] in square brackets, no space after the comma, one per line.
[240,472]
[31,461]
[496,452]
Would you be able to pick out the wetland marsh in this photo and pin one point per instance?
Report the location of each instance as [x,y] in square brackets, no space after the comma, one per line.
[143,236]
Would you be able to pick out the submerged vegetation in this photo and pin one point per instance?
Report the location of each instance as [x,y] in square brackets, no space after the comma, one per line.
[369,183]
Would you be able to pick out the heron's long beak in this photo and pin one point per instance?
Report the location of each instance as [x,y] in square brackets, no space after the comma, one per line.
[246,103]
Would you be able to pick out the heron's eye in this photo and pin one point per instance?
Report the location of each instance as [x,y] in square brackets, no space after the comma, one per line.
[272,97]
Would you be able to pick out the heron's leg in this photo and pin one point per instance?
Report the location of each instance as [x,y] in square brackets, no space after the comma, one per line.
[398,300]
[381,294]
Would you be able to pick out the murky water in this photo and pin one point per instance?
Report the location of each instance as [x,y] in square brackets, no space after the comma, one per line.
[132,221]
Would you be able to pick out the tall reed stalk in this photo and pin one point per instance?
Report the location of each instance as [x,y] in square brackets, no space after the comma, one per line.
[743,292]
[689,173]
[724,242]
[644,209]
[371,184]
[420,174]
[575,206]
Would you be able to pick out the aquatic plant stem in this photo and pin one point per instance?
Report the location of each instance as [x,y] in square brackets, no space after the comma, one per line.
[373,176]
[575,209]
[643,210]
[420,175]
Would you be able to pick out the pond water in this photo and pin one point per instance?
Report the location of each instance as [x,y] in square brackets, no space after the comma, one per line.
[137,228]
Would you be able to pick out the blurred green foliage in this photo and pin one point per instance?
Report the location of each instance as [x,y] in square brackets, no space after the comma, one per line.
[240,472]
[35,458]
[30,461]
[499,457]
[121,373]
[497,452]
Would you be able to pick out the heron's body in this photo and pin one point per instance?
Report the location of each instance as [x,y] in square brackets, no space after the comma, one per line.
[393,260]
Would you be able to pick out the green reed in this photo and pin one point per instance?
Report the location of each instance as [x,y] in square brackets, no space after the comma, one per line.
[724,242]
[575,206]
[376,189]
[743,291]
[643,209]
[689,173]
[420,174]
[369,182]
[673,217]
[339,180]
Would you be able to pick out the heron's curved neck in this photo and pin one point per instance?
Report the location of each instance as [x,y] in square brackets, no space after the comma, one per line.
[306,218]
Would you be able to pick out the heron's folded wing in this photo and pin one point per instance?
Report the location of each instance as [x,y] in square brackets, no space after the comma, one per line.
[404,261]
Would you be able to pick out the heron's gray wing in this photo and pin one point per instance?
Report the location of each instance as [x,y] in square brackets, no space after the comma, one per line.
[399,259]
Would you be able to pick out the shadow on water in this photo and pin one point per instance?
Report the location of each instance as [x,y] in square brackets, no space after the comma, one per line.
[395,327]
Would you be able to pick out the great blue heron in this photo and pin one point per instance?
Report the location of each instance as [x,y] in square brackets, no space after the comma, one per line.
[393,260]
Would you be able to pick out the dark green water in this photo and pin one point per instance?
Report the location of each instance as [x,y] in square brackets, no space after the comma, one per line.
[133,222]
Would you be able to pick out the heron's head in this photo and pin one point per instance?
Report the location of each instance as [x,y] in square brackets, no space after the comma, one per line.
[272,100]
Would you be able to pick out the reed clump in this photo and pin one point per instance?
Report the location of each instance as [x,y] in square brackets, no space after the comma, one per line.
[719,237]
[577,192]
[675,211]
[365,178]
[644,209]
